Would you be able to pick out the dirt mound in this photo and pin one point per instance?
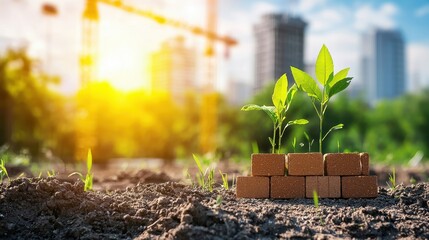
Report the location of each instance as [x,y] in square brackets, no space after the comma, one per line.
[52,209]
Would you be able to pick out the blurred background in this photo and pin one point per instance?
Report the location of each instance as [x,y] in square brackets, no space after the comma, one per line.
[163,79]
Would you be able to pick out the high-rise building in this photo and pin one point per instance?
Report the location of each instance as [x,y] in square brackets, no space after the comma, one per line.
[279,45]
[173,68]
[383,64]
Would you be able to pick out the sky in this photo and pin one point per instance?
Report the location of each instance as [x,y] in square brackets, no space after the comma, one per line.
[126,41]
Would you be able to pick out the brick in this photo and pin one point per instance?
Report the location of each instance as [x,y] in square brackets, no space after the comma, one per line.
[268,164]
[364,162]
[342,164]
[310,186]
[334,186]
[359,187]
[325,186]
[253,187]
[304,164]
[287,187]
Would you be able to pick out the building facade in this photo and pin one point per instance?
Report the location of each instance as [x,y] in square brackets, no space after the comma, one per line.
[279,44]
[173,68]
[383,64]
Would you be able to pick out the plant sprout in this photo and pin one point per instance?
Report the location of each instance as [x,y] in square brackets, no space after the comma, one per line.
[310,142]
[331,84]
[392,179]
[224,180]
[205,178]
[89,176]
[282,99]
[3,171]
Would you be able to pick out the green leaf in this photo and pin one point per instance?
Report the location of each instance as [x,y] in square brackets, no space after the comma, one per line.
[307,137]
[306,83]
[324,65]
[340,86]
[197,161]
[269,110]
[89,161]
[290,95]
[327,88]
[298,122]
[339,76]
[280,92]
[337,127]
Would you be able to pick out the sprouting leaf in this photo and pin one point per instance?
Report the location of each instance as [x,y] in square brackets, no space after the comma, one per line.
[197,161]
[298,122]
[324,65]
[327,89]
[89,161]
[290,95]
[339,76]
[315,199]
[306,83]
[340,86]
[307,137]
[338,126]
[280,92]
[270,110]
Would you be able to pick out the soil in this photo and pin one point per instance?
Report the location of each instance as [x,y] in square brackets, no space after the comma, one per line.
[50,208]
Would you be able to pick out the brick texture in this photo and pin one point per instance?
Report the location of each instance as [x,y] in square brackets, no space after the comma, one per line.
[364,162]
[359,187]
[342,164]
[266,164]
[305,164]
[287,187]
[326,186]
[253,187]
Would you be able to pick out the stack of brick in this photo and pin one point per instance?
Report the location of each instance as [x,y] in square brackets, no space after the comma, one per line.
[297,175]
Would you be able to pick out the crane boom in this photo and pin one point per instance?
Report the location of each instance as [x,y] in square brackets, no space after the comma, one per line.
[228,41]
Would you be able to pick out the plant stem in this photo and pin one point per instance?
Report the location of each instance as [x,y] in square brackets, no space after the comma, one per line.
[273,142]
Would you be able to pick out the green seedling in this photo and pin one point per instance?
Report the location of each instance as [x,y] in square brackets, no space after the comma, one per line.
[224,180]
[50,173]
[331,85]
[3,171]
[89,176]
[294,144]
[219,200]
[413,181]
[282,99]
[316,205]
[310,142]
[392,179]
[255,147]
[205,178]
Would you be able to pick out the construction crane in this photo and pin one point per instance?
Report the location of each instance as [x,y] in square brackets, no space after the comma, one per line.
[88,60]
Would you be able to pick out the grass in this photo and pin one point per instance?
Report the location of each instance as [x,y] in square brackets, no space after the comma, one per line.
[88,179]
[205,177]
[3,171]
[392,179]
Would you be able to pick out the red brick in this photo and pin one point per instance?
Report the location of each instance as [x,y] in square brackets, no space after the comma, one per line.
[342,164]
[310,186]
[287,187]
[305,164]
[364,162]
[325,186]
[359,187]
[334,186]
[253,187]
[267,164]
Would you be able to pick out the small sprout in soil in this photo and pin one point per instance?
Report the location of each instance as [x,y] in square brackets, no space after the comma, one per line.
[331,85]
[219,200]
[89,176]
[224,180]
[50,173]
[205,178]
[413,181]
[310,143]
[315,199]
[3,171]
[282,99]
[392,179]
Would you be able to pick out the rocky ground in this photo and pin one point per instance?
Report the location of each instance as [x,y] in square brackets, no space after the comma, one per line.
[50,208]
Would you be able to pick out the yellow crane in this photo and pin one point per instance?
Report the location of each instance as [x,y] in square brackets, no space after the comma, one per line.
[88,59]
